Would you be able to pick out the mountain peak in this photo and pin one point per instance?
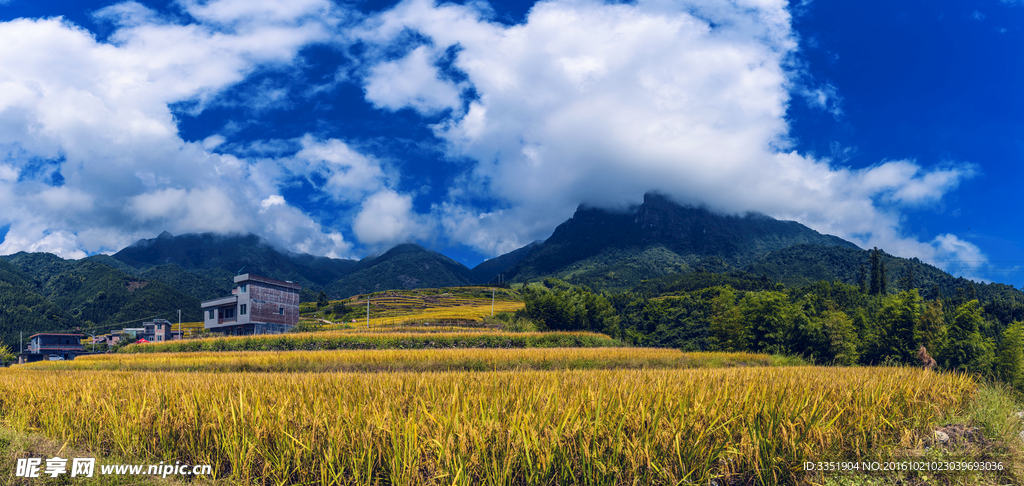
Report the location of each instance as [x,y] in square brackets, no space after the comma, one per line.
[660,236]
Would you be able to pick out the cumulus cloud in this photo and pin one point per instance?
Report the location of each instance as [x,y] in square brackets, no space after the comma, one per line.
[96,115]
[585,102]
[411,82]
[387,218]
[595,102]
[349,174]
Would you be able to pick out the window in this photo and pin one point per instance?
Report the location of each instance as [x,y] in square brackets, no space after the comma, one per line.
[229,313]
[280,311]
[241,288]
[241,310]
[211,313]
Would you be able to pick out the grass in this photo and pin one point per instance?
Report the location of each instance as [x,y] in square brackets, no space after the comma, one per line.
[992,436]
[755,425]
[421,360]
[397,340]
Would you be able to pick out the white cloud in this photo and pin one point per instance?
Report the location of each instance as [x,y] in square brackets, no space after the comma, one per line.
[270,202]
[387,218]
[100,113]
[411,81]
[586,102]
[349,174]
[597,103]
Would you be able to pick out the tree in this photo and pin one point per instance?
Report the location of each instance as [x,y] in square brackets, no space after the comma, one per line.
[1009,364]
[840,338]
[875,272]
[862,279]
[765,318]
[726,322]
[899,317]
[6,355]
[321,300]
[907,280]
[967,349]
[881,278]
[932,326]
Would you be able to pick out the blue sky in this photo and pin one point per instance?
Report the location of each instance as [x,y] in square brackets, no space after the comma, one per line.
[474,128]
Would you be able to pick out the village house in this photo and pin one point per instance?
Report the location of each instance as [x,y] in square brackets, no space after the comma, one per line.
[257,305]
[158,331]
[45,345]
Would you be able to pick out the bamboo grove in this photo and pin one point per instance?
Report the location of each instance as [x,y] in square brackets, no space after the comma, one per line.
[825,322]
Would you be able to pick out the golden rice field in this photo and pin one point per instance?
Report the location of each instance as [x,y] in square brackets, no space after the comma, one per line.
[650,426]
[435,314]
[396,308]
[477,359]
[379,340]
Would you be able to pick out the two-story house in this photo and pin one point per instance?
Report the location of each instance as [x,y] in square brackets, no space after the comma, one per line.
[56,345]
[257,305]
[158,331]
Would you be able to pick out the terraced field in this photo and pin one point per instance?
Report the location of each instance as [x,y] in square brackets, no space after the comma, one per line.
[463,307]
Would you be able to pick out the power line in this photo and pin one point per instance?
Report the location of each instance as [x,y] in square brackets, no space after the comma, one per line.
[115,324]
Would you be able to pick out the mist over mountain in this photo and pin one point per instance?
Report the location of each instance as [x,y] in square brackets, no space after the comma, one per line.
[617,250]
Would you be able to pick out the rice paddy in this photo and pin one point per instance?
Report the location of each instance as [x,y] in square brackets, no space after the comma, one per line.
[636,426]
[464,305]
[421,360]
[380,340]
[461,313]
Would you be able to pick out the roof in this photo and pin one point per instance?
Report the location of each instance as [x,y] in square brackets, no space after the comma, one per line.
[221,301]
[55,334]
[256,278]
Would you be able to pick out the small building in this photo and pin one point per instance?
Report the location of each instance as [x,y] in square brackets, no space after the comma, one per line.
[257,305]
[46,345]
[158,331]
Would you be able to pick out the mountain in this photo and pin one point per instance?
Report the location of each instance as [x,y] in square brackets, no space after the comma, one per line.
[488,270]
[216,259]
[606,249]
[801,265]
[658,246]
[42,292]
[23,310]
[406,266]
[203,265]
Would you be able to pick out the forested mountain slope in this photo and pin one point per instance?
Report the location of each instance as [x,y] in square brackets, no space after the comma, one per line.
[605,249]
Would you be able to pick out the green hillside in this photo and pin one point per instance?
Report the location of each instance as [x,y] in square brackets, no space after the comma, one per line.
[615,251]
[405,266]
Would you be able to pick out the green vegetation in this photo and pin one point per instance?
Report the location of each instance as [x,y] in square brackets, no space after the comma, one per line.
[402,267]
[826,322]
